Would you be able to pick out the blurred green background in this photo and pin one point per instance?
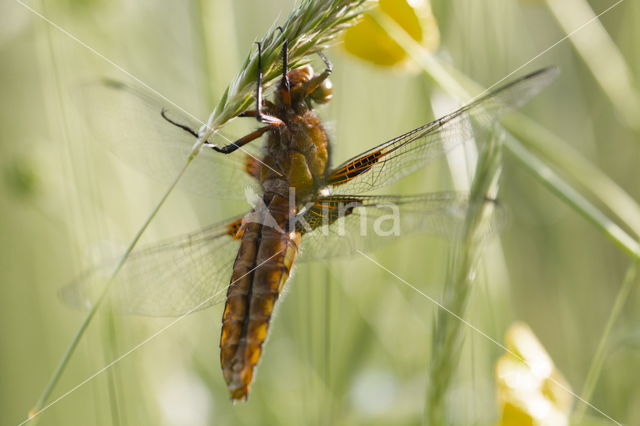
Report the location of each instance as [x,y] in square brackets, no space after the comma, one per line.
[350,344]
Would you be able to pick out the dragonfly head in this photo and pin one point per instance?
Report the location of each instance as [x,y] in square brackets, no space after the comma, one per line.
[300,76]
[301,83]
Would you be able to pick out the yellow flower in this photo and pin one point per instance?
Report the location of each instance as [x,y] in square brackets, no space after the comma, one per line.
[368,41]
[531,391]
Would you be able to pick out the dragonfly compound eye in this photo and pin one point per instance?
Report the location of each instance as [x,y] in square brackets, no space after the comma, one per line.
[323,93]
[300,76]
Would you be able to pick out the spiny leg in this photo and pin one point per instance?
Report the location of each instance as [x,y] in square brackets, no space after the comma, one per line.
[228,149]
[260,116]
[184,127]
[284,83]
[253,113]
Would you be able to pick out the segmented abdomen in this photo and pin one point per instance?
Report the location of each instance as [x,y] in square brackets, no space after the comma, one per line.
[261,269]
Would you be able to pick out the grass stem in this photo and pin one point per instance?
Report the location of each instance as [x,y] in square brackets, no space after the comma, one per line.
[599,357]
[601,55]
[448,330]
[44,396]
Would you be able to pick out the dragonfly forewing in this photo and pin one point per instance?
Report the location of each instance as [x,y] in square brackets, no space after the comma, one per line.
[394,159]
[127,120]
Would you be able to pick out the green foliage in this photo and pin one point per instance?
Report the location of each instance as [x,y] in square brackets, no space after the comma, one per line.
[349,344]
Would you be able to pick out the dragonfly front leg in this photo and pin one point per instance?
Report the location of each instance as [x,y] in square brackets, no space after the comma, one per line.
[228,149]
[253,113]
[184,127]
[259,113]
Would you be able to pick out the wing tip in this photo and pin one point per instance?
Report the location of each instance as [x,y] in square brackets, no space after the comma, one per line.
[546,75]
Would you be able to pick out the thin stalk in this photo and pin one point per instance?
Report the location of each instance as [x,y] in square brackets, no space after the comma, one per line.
[326,373]
[447,335]
[201,12]
[600,355]
[574,199]
[40,404]
[557,153]
[216,54]
[600,53]
[112,381]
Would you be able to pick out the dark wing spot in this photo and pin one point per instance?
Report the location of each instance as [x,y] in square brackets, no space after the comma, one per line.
[355,168]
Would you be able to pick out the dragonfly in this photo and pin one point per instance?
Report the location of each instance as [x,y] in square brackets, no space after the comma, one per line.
[305,208]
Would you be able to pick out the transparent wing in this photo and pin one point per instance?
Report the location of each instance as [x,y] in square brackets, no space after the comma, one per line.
[378,220]
[400,156]
[127,120]
[170,278]
[192,272]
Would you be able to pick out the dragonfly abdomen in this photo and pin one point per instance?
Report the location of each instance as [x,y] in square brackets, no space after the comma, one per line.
[261,269]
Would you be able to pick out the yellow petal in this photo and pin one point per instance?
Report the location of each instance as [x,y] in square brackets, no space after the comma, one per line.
[368,41]
[531,391]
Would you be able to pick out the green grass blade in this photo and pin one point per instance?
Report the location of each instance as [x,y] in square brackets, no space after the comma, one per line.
[448,329]
[602,56]
[600,355]
[40,404]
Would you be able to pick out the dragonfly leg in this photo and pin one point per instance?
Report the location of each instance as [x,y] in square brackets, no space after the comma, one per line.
[253,113]
[228,149]
[317,80]
[187,129]
[285,85]
[260,116]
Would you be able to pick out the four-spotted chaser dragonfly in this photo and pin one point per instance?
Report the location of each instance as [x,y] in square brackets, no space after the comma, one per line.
[307,209]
